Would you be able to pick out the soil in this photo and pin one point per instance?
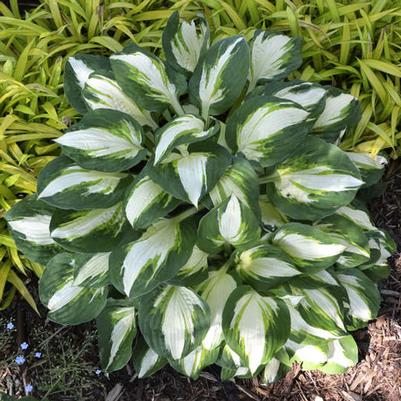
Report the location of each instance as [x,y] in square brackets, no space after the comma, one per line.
[377,377]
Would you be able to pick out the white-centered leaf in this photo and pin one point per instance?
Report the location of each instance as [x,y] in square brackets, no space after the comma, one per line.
[96,230]
[182,130]
[77,71]
[371,169]
[146,201]
[270,215]
[230,223]
[265,266]
[357,216]
[193,363]
[341,111]
[146,361]
[66,185]
[308,351]
[322,308]
[311,96]
[254,326]
[29,223]
[185,42]
[104,140]
[266,129]
[143,77]
[116,328]
[342,354]
[211,86]
[91,270]
[192,175]
[314,182]
[103,92]
[241,180]
[215,291]
[140,266]
[195,269]
[174,320]
[363,297]
[301,329]
[310,247]
[356,250]
[273,56]
[68,303]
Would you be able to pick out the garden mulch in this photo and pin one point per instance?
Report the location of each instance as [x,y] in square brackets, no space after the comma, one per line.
[377,377]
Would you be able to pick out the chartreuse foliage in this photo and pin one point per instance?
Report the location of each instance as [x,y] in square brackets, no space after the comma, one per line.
[202,206]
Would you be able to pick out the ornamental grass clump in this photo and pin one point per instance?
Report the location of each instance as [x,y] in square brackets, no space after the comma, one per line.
[202,213]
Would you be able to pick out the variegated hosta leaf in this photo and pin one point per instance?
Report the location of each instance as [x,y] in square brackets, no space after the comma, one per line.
[228,358]
[265,266]
[301,329]
[312,353]
[341,111]
[65,185]
[320,308]
[231,365]
[273,372]
[140,266]
[323,277]
[342,354]
[356,216]
[146,202]
[314,182]
[143,77]
[241,180]
[230,223]
[76,73]
[103,92]
[91,270]
[215,291]
[183,130]
[68,303]
[193,363]
[104,140]
[312,249]
[273,56]
[184,43]
[29,222]
[266,129]
[146,361]
[116,328]
[194,173]
[96,230]
[173,320]
[255,327]
[195,270]
[356,250]
[212,87]
[310,95]
[363,297]
[371,169]
[270,215]
[240,372]
[377,268]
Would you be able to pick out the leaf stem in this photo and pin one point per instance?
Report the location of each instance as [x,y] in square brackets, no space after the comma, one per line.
[186,213]
[265,180]
[177,107]
[227,264]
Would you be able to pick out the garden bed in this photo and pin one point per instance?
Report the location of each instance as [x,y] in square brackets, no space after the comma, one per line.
[68,367]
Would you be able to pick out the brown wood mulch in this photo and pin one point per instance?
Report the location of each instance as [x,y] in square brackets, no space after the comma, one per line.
[377,377]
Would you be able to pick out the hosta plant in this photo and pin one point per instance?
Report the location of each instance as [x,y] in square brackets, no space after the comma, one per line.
[202,212]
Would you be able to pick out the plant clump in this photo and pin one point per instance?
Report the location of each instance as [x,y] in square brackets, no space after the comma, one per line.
[202,212]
